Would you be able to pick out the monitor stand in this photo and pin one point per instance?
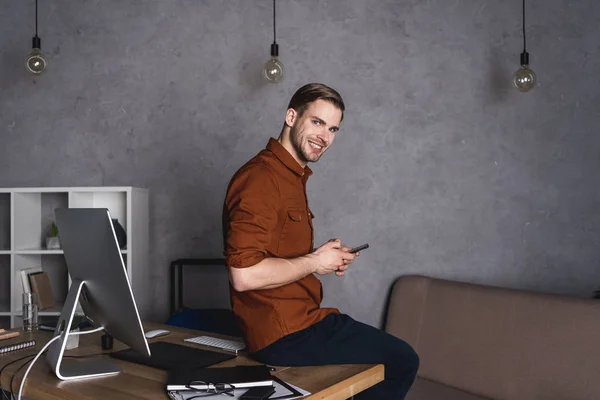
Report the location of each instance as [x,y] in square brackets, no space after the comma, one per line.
[73,369]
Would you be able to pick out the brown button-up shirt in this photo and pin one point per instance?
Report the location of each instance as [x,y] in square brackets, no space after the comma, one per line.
[265,215]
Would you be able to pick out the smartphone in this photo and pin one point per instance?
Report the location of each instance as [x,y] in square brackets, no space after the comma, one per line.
[258,393]
[359,248]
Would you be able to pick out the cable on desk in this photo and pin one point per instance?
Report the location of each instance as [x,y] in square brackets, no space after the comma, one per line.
[30,365]
[12,378]
[44,349]
[30,358]
[4,367]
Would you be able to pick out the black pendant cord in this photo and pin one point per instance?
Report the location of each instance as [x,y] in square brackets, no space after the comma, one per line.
[36,18]
[274,46]
[274,22]
[524,37]
[36,42]
[524,54]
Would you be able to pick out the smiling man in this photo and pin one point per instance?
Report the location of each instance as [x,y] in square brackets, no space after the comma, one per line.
[269,250]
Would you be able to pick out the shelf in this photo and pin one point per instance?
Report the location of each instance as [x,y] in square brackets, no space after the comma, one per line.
[56,310]
[52,311]
[37,252]
[94,189]
[33,217]
[5,221]
[40,252]
[26,217]
[53,265]
[115,202]
[4,284]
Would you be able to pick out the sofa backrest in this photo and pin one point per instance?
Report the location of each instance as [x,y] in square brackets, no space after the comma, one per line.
[499,343]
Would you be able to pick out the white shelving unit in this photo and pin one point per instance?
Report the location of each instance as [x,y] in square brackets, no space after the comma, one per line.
[26,216]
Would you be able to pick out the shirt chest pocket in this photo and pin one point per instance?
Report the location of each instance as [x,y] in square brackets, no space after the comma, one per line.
[296,234]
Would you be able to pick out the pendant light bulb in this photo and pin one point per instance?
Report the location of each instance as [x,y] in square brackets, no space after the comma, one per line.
[273,70]
[524,78]
[36,63]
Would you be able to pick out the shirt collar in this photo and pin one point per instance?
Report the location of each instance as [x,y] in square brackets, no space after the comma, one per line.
[286,158]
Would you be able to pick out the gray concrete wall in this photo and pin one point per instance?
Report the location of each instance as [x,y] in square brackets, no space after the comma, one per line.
[440,165]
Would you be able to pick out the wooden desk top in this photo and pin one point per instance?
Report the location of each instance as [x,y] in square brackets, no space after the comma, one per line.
[336,382]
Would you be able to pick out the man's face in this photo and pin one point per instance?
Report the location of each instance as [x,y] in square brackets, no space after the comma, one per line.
[312,133]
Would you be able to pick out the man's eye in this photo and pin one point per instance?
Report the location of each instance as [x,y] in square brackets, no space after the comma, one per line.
[316,122]
[332,130]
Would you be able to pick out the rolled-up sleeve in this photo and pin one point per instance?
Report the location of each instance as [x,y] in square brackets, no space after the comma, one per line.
[250,216]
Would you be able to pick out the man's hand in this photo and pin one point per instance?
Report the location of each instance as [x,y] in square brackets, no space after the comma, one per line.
[333,257]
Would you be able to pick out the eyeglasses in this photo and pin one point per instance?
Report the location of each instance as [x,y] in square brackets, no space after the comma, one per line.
[205,389]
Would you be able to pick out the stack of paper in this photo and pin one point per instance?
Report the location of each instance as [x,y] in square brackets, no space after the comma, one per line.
[239,377]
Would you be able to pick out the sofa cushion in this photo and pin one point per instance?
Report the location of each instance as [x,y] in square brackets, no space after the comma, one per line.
[499,343]
[423,389]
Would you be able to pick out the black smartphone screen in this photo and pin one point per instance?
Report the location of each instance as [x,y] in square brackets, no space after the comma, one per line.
[359,248]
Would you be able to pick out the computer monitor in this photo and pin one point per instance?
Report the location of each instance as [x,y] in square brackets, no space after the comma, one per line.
[100,284]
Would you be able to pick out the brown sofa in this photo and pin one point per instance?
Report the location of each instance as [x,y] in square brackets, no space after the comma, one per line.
[483,342]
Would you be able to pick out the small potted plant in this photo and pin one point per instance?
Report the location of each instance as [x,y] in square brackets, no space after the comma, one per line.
[53,242]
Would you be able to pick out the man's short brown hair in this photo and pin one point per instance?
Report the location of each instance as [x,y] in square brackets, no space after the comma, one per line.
[313,92]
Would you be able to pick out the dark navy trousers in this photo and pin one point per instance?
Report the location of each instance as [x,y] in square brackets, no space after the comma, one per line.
[339,339]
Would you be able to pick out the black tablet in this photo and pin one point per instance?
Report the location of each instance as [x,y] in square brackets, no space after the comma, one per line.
[169,356]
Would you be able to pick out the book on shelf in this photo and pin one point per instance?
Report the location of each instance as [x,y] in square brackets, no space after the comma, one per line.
[25,277]
[238,377]
[40,284]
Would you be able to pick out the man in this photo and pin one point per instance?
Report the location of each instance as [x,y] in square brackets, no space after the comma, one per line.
[269,250]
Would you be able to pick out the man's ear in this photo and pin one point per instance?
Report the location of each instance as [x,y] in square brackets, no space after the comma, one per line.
[290,117]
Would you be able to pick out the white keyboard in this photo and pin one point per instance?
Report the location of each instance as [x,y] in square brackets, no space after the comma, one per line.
[228,345]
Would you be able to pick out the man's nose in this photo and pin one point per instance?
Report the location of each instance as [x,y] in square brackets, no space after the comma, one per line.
[325,137]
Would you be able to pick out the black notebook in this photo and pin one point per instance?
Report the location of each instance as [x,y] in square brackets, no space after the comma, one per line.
[239,377]
[169,356]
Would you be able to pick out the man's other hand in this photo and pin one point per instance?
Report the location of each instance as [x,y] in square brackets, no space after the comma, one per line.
[333,257]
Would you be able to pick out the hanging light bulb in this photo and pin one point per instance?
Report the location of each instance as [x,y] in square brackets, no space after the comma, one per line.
[524,78]
[273,69]
[36,63]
